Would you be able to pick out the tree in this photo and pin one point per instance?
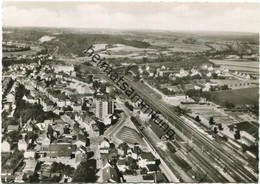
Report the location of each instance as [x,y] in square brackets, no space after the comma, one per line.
[197,118]
[215,130]
[237,134]
[124,146]
[211,121]
[229,105]
[214,76]
[85,172]
[224,87]
[62,168]
[34,178]
[14,136]
[220,127]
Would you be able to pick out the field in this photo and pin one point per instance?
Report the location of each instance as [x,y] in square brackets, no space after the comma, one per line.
[238,97]
[130,136]
[239,65]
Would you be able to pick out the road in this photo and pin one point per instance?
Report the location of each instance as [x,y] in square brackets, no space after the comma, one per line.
[235,167]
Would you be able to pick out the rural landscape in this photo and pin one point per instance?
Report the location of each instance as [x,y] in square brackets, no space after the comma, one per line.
[186,109]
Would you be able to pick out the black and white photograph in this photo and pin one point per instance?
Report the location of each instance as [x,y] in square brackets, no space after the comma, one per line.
[130,91]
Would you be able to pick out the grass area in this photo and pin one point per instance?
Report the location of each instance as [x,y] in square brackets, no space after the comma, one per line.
[130,136]
[237,97]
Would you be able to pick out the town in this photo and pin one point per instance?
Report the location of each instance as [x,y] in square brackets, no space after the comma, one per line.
[65,119]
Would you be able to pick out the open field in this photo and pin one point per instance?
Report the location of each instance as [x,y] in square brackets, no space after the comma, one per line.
[239,65]
[130,136]
[239,96]
[34,50]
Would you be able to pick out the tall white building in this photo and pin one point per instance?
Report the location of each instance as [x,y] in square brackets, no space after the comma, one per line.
[104,107]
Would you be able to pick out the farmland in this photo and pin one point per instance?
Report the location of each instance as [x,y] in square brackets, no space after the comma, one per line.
[239,65]
[237,97]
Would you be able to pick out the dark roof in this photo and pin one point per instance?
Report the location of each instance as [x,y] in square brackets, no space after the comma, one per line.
[148,156]
[161,178]
[110,174]
[249,127]
[62,147]
[129,160]
[121,162]
[152,167]
[148,176]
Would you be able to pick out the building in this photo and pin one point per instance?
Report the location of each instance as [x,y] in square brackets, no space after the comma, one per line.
[122,165]
[29,154]
[60,150]
[104,107]
[11,128]
[10,97]
[69,69]
[6,147]
[30,165]
[22,145]
[110,174]
[233,84]
[145,159]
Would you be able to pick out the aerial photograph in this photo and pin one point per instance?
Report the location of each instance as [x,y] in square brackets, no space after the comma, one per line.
[129,92]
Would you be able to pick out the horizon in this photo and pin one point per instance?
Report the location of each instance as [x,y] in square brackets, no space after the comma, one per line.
[166,16]
[133,30]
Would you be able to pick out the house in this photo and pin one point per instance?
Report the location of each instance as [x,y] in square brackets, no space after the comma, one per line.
[7,174]
[82,118]
[104,150]
[29,154]
[10,97]
[6,147]
[95,129]
[233,84]
[188,87]
[107,120]
[11,128]
[64,68]
[30,165]
[194,72]
[145,159]
[207,87]
[29,99]
[104,144]
[157,177]
[197,87]
[182,73]
[175,89]
[248,131]
[19,177]
[152,168]
[209,74]
[79,156]
[210,68]
[122,165]
[149,178]
[22,145]
[28,126]
[45,171]
[110,174]
[46,141]
[60,150]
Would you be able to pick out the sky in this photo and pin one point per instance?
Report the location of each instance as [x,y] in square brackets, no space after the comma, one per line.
[238,17]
